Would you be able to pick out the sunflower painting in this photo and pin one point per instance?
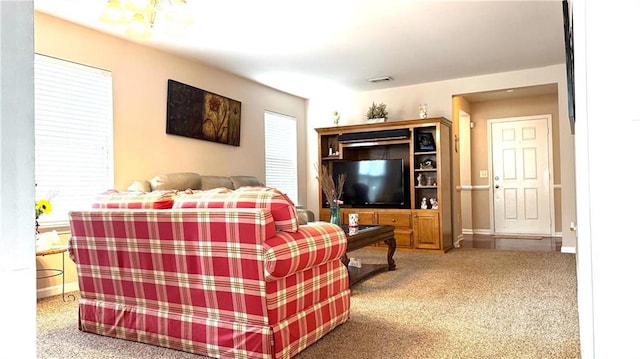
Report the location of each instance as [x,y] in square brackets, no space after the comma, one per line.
[196,113]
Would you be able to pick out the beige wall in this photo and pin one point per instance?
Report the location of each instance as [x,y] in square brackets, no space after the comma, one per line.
[141,147]
[480,113]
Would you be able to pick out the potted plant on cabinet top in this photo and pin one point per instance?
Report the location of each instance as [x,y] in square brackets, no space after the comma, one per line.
[377,113]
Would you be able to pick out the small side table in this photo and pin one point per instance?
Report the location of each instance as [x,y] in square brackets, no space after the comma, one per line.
[54,272]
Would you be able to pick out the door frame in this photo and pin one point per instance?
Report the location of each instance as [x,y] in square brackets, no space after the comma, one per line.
[552,206]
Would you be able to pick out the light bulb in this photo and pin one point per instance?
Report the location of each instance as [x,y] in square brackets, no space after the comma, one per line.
[139,27]
[113,13]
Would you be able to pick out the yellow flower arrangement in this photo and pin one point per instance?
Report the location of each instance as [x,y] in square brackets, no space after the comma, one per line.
[43,206]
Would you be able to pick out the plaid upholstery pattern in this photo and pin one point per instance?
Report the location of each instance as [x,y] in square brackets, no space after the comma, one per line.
[303,289]
[295,334]
[134,200]
[195,280]
[282,209]
[316,243]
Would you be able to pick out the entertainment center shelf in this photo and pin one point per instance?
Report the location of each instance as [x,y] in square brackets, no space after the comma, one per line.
[421,209]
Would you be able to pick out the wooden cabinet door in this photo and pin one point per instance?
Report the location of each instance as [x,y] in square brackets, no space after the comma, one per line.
[427,230]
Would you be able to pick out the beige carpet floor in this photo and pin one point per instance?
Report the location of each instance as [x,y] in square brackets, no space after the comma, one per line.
[468,303]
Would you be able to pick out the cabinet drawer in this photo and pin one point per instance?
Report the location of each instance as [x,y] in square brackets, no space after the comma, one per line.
[364,217]
[395,219]
[404,238]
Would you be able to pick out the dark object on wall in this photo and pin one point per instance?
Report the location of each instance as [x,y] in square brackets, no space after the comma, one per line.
[568,47]
[196,113]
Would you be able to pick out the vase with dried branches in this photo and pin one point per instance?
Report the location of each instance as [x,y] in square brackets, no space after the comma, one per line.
[333,192]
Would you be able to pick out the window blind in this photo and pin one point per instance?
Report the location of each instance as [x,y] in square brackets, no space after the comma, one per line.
[73,135]
[281,148]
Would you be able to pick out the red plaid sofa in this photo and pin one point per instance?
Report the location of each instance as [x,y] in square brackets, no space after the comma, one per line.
[226,274]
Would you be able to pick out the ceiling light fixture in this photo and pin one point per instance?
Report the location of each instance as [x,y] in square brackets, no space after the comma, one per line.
[380,79]
[140,15]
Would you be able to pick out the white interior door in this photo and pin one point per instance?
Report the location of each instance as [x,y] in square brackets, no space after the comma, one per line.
[521,175]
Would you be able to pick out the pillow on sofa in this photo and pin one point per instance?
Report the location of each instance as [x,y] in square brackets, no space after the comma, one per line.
[282,209]
[211,182]
[242,181]
[135,200]
[176,181]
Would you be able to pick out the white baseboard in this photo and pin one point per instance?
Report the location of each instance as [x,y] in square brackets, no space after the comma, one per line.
[487,232]
[57,290]
[567,249]
[476,231]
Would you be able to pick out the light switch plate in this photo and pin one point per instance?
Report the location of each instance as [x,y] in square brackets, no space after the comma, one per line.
[484,174]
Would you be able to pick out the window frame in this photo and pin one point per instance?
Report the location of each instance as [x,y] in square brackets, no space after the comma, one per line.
[291,149]
[73,130]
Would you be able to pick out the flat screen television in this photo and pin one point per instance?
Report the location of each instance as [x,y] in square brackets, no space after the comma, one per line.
[373,183]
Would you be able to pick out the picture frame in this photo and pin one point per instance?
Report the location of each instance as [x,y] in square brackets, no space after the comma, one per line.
[200,114]
[425,142]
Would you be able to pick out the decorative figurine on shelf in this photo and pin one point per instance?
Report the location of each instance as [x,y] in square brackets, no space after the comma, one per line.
[434,203]
[427,164]
[430,181]
[422,111]
[422,179]
[423,204]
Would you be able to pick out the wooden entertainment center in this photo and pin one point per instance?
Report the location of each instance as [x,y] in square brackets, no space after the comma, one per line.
[424,145]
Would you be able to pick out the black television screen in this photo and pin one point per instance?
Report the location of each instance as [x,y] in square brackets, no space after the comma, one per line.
[372,183]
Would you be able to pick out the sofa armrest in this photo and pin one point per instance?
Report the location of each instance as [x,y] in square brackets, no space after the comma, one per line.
[313,244]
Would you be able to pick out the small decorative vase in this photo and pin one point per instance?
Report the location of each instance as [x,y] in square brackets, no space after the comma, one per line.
[335,215]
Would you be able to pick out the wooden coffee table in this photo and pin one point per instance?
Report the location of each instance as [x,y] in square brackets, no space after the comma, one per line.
[367,235]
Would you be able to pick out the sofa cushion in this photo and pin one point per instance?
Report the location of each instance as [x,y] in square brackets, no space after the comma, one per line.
[134,200]
[176,181]
[242,181]
[210,182]
[281,207]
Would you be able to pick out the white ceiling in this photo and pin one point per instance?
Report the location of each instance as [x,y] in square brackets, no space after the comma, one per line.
[306,47]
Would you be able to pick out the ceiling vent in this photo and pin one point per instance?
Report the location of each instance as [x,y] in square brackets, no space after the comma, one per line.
[380,79]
